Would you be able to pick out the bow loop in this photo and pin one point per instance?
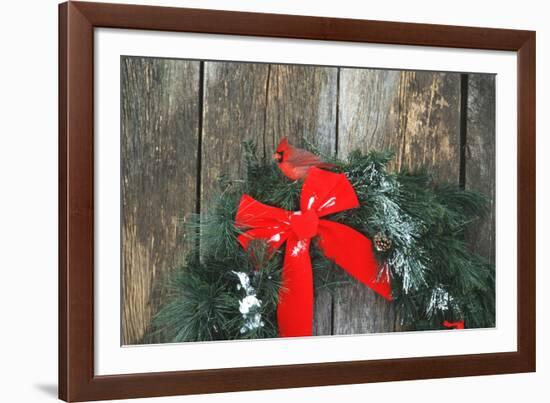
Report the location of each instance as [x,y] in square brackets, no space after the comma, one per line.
[327,193]
[253,214]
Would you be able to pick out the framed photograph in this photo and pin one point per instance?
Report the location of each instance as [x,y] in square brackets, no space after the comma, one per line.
[253,201]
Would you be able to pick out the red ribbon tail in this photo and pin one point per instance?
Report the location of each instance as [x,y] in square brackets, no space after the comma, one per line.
[295,308]
[352,251]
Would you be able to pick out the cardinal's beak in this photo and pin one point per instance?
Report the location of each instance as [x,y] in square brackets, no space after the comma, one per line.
[277,157]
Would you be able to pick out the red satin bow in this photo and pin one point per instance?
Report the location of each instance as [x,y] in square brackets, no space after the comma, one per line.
[323,193]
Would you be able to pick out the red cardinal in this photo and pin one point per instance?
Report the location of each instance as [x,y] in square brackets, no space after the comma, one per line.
[294,162]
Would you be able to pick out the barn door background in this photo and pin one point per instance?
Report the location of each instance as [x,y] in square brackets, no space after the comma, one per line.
[183,123]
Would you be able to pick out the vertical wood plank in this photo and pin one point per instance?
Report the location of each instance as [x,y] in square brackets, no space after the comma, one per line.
[480,157]
[369,110]
[234,111]
[159,163]
[301,105]
[429,124]
[415,114]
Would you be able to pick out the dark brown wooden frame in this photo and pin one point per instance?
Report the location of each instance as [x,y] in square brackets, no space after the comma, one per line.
[77,21]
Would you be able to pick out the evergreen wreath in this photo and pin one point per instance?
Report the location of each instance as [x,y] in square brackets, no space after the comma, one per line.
[417,227]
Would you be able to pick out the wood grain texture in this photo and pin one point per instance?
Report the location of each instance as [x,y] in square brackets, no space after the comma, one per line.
[159,165]
[414,114]
[480,157]
[301,27]
[234,108]
[369,110]
[301,105]
[429,124]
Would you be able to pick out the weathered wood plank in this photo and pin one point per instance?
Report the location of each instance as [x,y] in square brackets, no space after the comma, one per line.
[480,157]
[159,163]
[429,123]
[368,110]
[301,105]
[415,114]
[234,110]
